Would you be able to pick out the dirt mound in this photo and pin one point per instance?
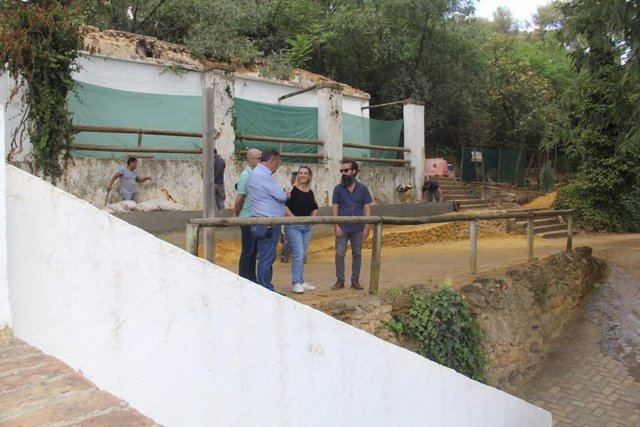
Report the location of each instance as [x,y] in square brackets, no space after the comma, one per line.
[545,201]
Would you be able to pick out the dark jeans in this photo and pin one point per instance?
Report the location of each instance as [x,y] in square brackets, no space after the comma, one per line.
[247,264]
[267,237]
[356,254]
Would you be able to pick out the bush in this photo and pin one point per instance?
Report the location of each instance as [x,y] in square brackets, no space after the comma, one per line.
[447,331]
[547,178]
[594,215]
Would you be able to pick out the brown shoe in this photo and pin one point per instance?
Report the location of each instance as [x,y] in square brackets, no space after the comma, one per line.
[355,284]
[339,285]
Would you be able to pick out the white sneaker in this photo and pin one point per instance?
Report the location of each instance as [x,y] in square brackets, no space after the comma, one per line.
[308,287]
[298,288]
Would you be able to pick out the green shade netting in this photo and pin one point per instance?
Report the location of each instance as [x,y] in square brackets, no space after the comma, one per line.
[499,166]
[258,118]
[362,130]
[100,106]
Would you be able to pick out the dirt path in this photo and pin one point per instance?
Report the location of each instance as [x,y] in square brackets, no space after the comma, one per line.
[433,263]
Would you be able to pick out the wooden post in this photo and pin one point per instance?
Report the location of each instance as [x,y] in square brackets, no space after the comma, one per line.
[530,237]
[473,237]
[569,232]
[192,236]
[208,147]
[374,279]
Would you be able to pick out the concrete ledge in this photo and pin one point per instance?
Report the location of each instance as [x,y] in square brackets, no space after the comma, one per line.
[171,222]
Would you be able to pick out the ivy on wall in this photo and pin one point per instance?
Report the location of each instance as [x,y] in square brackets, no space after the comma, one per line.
[39,44]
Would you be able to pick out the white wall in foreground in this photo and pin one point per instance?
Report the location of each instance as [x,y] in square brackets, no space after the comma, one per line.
[5,311]
[191,344]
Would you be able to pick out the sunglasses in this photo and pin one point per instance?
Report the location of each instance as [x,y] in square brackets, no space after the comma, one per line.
[345,170]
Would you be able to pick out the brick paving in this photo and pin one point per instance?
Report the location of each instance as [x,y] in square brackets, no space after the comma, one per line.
[39,390]
[579,383]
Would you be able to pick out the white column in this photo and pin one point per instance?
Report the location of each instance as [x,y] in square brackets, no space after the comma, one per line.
[330,124]
[413,115]
[5,308]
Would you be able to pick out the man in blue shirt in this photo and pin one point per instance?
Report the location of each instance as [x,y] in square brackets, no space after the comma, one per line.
[242,209]
[267,200]
[350,198]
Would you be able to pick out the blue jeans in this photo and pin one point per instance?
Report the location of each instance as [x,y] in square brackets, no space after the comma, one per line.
[247,264]
[298,237]
[267,237]
[356,254]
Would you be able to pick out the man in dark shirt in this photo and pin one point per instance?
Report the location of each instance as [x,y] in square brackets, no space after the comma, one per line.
[431,191]
[350,198]
[218,179]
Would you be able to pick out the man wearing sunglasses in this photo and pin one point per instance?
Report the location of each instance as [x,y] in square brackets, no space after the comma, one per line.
[350,198]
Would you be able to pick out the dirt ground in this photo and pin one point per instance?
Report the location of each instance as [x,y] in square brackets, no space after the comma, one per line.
[431,263]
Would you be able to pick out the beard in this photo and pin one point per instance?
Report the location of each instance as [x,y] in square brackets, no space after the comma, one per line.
[347,180]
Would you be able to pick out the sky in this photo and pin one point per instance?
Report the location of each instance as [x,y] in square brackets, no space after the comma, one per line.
[521,9]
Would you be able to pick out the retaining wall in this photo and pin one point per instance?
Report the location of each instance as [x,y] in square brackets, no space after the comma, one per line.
[189,343]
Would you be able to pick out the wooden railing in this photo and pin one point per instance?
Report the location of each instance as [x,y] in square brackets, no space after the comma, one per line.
[194,225]
[139,148]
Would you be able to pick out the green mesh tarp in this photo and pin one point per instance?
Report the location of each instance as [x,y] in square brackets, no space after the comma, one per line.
[261,119]
[499,165]
[100,106]
[362,130]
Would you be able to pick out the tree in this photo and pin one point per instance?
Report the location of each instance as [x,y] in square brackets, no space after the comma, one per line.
[601,128]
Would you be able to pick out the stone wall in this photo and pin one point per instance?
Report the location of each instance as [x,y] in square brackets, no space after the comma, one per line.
[520,310]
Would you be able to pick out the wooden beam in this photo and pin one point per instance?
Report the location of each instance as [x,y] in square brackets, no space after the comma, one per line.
[473,238]
[133,149]
[377,147]
[298,92]
[569,232]
[243,137]
[376,263]
[192,239]
[113,129]
[208,147]
[530,237]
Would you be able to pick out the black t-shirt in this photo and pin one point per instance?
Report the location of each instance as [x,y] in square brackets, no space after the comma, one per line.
[301,203]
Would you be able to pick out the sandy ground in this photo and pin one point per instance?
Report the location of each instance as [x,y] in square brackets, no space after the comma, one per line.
[433,263]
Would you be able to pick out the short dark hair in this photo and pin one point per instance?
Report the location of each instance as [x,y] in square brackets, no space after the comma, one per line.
[353,163]
[269,154]
[131,160]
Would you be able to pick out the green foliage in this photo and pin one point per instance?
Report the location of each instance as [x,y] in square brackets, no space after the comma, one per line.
[447,331]
[299,50]
[547,178]
[594,215]
[39,43]
[394,325]
[277,66]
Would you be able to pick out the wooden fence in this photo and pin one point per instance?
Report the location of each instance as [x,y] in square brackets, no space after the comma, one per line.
[194,225]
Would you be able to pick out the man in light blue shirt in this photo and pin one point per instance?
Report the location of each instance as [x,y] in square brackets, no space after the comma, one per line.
[242,209]
[267,200]
[129,180]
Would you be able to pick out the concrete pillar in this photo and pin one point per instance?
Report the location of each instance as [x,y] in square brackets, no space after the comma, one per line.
[330,124]
[413,115]
[5,308]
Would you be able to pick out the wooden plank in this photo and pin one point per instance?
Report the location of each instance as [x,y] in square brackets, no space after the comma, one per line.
[376,263]
[243,137]
[114,129]
[569,232]
[192,237]
[376,147]
[133,149]
[530,237]
[473,238]
[208,147]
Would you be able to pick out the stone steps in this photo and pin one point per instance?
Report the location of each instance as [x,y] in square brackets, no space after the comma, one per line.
[547,228]
[458,193]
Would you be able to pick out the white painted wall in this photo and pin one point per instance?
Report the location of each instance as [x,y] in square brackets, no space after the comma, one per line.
[137,76]
[191,344]
[5,311]
[88,177]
